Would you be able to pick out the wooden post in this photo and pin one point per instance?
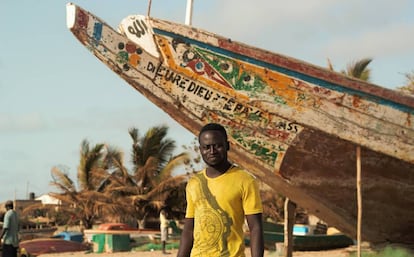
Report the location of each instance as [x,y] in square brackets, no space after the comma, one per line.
[189,13]
[149,8]
[290,208]
[359,199]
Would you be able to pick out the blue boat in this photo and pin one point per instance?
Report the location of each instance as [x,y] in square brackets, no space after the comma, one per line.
[70,236]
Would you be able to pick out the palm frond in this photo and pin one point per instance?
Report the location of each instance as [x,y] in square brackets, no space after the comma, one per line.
[359,69]
[166,149]
[89,159]
[145,175]
[62,181]
[166,185]
[35,207]
[408,88]
[173,163]
[114,157]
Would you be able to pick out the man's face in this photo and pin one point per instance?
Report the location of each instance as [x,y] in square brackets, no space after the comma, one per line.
[213,147]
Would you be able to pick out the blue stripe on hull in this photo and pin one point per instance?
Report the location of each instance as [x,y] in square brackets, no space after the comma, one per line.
[290,73]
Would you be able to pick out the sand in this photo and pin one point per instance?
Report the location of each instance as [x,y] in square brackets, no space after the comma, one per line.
[344,252]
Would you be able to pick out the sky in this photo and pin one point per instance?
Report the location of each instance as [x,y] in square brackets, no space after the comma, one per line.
[54,93]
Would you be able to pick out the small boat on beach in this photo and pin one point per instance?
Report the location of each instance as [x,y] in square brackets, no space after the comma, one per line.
[76,236]
[310,242]
[307,242]
[304,238]
[295,126]
[39,246]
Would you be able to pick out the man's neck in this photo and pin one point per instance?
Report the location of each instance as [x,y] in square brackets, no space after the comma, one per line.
[215,171]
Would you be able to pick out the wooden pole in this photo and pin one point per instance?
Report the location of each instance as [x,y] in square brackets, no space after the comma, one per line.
[290,208]
[359,199]
[149,8]
[189,13]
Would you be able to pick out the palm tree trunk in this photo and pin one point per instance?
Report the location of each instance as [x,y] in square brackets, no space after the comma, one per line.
[141,223]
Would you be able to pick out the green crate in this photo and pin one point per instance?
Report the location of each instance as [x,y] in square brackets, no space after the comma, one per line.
[98,241]
[117,243]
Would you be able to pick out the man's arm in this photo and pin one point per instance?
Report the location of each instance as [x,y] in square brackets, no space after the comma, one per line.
[187,238]
[5,224]
[256,234]
[3,231]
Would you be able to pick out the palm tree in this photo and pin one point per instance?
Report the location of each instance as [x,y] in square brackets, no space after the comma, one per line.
[107,190]
[153,166]
[357,69]
[408,88]
[89,201]
[91,168]
[150,153]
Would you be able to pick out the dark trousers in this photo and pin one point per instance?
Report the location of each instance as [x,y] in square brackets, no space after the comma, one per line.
[9,251]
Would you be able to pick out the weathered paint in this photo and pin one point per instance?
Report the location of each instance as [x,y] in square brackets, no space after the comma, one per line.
[136,29]
[352,115]
[294,125]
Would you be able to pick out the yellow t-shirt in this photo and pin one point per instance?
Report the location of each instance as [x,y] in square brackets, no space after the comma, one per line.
[218,206]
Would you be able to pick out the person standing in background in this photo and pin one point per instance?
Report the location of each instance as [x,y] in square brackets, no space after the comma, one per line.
[164,229]
[10,231]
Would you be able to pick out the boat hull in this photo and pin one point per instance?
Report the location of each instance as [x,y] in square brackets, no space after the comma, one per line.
[294,125]
[309,242]
[49,245]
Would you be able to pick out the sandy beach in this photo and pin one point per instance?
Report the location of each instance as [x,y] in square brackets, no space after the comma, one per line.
[344,252]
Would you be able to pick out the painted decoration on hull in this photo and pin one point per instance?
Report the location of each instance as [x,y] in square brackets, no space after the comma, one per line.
[264,136]
[245,89]
[283,116]
[136,29]
[352,115]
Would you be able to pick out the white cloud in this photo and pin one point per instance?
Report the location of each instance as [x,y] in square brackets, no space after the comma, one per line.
[21,122]
[382,42]
[285,25]
[313,31]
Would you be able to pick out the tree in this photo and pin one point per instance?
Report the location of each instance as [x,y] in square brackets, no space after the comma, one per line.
[107,190]
[408,88]
[359,69]
[88,202]
[153,165]
[356,69]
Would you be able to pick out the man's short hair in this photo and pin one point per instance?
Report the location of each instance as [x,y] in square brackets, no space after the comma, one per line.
[9,204]
[215,127]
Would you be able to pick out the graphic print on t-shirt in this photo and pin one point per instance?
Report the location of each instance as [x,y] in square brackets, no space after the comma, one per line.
[214,222]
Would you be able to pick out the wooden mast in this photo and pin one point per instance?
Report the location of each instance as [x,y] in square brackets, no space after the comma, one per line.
[189,13]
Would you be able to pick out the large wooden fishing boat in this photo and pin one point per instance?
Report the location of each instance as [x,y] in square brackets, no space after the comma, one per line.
[296,126]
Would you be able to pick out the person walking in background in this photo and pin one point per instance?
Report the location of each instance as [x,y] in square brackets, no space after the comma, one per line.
[219,199]
[164,229]
[9,233]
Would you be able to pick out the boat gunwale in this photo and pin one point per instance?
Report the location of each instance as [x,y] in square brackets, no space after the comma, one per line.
[292,67]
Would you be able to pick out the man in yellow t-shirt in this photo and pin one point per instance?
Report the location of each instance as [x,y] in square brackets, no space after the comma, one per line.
[219,199]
